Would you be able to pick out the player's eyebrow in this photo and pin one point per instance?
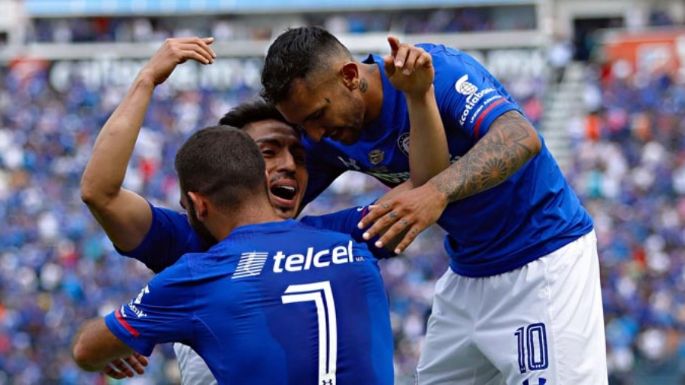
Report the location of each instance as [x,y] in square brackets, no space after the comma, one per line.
[314,114]
[269,139]
[317,111]
[277,140]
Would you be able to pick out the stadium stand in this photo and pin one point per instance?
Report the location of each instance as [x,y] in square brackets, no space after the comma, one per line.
[626,161]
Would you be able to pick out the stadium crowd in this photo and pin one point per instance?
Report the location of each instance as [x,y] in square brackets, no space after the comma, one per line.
[144,29]
[57,267]
[629,168]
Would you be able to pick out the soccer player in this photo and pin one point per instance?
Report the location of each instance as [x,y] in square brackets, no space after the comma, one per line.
[273,302]
[520,302]
[158,236]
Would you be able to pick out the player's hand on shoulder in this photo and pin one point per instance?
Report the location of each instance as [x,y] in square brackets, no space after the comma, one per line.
[175,51]
[403,217]
[126,367]
[409,68]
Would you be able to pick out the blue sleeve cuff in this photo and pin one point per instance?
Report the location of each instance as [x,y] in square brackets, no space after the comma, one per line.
[482,124]
[143,251]
[121,329]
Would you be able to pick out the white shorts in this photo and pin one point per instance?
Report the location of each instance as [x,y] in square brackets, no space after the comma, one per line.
[193,369]
[541,324]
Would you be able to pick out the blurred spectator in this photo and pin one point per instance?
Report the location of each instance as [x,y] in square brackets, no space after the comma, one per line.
[144,29]
[630,170]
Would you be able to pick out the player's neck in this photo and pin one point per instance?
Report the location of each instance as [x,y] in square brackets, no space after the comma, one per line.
[371,87]
[255,211]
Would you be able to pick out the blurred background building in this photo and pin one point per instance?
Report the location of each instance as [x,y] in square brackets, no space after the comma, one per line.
[603,80]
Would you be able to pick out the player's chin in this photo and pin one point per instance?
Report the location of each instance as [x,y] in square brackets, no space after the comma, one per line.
[286,212]
[350,136]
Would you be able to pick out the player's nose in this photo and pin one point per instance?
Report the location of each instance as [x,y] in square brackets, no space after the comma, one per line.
[287,162]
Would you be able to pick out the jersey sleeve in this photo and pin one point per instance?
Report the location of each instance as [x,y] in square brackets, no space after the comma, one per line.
[468,94]
[321,174]
[345,221]
[170,236]
[161,312]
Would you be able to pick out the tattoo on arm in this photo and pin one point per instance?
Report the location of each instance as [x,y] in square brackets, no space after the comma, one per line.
[508,145]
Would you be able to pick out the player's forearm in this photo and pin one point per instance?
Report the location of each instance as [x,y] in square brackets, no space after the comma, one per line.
[428,152]
[106,169]
[508,145]
[94,346]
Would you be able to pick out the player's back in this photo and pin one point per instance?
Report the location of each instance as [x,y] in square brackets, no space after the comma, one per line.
[284,303]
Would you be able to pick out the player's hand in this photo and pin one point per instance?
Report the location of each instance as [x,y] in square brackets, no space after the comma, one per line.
[126,367]
[408,213]
[409,68]
[175,51]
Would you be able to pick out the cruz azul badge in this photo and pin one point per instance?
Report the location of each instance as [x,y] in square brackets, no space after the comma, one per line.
[403,143]
[376,156]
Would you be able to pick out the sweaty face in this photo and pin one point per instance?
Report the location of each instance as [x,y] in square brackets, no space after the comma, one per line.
[324,108]
[284,157]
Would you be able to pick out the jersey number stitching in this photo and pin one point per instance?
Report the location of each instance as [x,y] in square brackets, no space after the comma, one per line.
[322,296]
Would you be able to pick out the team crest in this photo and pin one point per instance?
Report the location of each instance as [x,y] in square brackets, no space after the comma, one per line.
[464,87]
[403,143]
[376,156]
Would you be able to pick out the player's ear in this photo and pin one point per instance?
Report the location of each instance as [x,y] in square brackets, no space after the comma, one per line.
[350,75]
[199,204]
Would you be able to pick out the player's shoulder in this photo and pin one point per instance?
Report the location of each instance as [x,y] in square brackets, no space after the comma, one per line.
[299,233]
[450,60]
[441,51]
[308,227]
[180,272]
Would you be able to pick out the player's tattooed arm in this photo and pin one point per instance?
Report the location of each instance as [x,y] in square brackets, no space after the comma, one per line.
[508,145]
[95,346]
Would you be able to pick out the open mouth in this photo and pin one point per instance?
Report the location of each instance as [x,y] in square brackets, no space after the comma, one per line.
[283,191]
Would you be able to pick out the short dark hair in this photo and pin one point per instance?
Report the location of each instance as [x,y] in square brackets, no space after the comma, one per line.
[251,111]
[294,54]
[222,163]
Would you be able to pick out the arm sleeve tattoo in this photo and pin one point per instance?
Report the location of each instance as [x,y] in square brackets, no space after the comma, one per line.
[508,145]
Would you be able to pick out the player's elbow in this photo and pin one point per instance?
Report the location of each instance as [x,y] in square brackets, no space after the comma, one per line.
[82,355]
[92,195]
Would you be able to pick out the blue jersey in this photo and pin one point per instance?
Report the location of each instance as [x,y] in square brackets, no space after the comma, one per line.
[170,236]
[532,213]
[273,303]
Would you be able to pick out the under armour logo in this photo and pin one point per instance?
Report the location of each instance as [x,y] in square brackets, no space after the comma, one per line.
[541,381]
[352,165]
[327,382]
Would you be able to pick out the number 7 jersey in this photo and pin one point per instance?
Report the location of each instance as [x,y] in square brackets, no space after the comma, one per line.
[273,303]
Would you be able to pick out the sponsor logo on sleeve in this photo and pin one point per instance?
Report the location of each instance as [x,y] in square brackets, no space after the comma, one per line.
[133,304]
[474,95]
[464,87]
